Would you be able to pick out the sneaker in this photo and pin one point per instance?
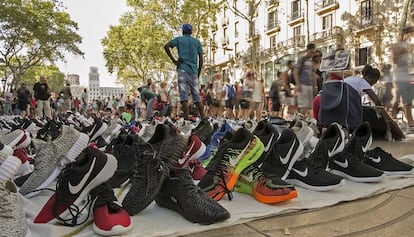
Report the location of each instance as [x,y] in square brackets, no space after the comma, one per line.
[147,132]
[52,156]
[204,130]
[196,169]
[349,166]
[194,150]
[91,169]
[283,154]
[96,129]
[382,160]
[9,168]
[125,152]
[109,218]
[5,151]
[154,159]
[180,194]
[12,138]
[232,157]
[11,211]
[215,140]
[267,189]
[268,134]
[308,174]
[306,135]
[360,140]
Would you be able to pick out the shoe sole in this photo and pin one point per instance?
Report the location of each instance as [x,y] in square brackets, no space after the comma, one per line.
[299,183]
[359,179]
[252,156]
[274,199]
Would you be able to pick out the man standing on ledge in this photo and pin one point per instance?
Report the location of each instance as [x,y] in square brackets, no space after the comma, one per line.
[189,52]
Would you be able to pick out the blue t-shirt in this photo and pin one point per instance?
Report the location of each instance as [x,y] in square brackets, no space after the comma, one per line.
[188,49]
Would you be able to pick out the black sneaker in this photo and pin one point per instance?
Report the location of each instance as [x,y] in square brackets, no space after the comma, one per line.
[204,130]
[349,166]
[179,193]
[382,160]
[153,162]
[125,151]
[268,134]
[360,140]
[283,154]
[96,129]
[310,175]
[91,168]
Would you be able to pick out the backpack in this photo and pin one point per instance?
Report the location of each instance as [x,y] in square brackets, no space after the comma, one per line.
[231,92]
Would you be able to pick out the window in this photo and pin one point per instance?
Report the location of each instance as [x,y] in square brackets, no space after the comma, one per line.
[362,56]
[297,31]
[366,13]
[272,20]
[236,48]
[295,9]
[272,41]
[236,29]
[327,22]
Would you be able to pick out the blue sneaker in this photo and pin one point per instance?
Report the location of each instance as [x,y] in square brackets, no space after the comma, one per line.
[215,141]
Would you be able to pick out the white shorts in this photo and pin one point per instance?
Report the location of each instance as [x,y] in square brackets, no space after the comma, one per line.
[305,97]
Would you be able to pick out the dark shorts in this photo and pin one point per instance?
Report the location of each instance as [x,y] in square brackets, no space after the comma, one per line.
[244,104]
[229,103]
[275,104]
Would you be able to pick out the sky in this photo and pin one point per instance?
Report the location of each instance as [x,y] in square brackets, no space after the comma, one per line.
[94,18]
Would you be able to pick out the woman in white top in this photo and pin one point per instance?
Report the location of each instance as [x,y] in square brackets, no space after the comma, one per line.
[173,98]
[257,98]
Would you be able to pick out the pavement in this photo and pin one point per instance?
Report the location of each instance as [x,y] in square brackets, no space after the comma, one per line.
[387,214]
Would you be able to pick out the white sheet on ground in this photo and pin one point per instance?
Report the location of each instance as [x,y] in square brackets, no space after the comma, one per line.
[157,221]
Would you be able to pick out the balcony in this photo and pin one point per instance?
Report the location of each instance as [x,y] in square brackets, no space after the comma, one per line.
[296,18]
[253,36]
[267,52]
[326,6]
[326,34]
[272,4]
[295,41]
[225,21]
[272,28]
[371,22]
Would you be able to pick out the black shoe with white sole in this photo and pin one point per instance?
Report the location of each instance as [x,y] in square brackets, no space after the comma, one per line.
[380,159]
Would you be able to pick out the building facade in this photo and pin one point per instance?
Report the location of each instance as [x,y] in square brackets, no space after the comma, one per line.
[97,92]
[263,34]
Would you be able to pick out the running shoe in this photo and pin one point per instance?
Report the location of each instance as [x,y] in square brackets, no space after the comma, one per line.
[194,150]
[215,141]
[204,130]
[267,189]
[382,160]
[360,141]
[232,157]
[180,194]
[66,205]
[268,134]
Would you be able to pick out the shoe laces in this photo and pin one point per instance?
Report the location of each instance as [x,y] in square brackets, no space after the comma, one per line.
[74,211]
[378,151]
[104,194]
[224,184]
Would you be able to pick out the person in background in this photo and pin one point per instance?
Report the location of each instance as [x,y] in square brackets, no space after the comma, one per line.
[137,103]
[76,104]
[23,100]
[7,102]
[67,97]
[41,92]
[274,95]
[189,65]
[109,105]
[317,58]
[121,103]
[258,97]
[151,86]
[148,97]
[228,101]
[305,80]
[239,94]
[173,99]
[84,101]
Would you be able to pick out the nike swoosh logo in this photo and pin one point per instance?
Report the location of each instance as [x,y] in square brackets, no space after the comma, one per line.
[376,160]
[91,131]
[185,157]
[285,159]
[233,162]
[367,145]
[75,189]
[342,164]
[269,143]
[332,152]
[301,173]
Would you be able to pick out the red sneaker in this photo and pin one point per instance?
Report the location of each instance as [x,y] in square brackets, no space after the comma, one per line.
[197,170]
[194,150]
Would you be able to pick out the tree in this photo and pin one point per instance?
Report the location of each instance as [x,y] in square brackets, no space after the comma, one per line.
[54,77]
[33,33]
[134,48]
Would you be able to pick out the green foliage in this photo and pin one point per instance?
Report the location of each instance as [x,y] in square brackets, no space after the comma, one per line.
[34,32]
[134,48]
[54,77]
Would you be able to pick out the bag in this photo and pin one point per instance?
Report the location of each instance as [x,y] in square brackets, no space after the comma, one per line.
[382,125]
[340,103]
[231,92]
